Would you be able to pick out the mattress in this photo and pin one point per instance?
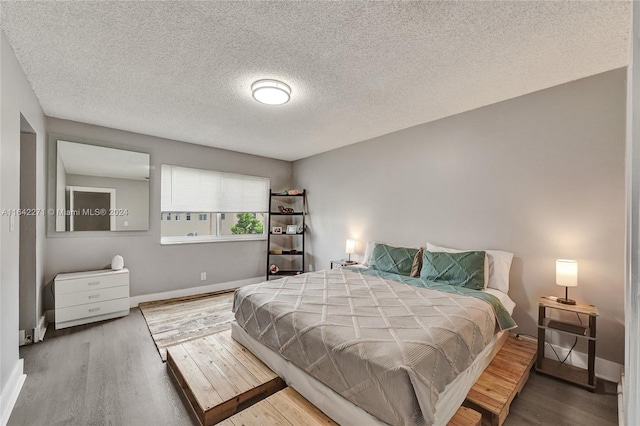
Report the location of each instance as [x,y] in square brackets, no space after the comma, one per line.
[345,412]
[389,348]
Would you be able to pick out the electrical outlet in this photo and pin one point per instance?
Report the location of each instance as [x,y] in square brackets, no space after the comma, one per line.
[311,267]
[203,276]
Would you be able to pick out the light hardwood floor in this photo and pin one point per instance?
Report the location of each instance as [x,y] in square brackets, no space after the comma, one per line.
[548,401]
[109,373]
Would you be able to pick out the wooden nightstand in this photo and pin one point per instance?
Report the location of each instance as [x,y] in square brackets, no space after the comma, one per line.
[341,263]
[579,376]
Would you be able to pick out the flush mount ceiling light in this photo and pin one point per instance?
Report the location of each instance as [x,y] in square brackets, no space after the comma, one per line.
[271,92]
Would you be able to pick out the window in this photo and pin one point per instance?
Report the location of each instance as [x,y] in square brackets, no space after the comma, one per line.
[177,231]
[228,206]
[242,223]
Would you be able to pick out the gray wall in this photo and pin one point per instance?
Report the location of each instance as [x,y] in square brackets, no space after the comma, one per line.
[156,268]
[541,176]
[132,195]
[631,391]
[61,191]
[28,238]
[16,97]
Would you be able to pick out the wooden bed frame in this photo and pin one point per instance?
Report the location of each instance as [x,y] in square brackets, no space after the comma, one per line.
[219,377]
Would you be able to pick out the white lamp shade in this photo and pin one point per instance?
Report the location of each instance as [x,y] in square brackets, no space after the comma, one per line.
[351,246]
[567,273]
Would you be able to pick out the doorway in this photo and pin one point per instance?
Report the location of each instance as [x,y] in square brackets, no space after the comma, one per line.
[90,208]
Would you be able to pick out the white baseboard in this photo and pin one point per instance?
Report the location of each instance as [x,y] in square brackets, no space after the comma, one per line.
[41,328]
[11,391]
[607,370]
[230,285]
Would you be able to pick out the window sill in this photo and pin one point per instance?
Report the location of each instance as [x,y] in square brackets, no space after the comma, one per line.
[166,241]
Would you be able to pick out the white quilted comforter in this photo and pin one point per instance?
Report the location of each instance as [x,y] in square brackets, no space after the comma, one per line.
[386,346]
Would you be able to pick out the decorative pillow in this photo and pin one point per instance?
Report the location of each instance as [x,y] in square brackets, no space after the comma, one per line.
[464,269]
[366,261]
[497,266]
[396,260]
[417,263]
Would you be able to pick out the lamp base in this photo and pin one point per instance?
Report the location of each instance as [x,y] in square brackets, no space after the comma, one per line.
[567,301]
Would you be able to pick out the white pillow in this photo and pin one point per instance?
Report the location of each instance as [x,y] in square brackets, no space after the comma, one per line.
[496,262]
[369,251]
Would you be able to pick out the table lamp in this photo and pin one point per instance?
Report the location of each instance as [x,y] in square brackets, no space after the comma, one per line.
[351,248]
[567,276]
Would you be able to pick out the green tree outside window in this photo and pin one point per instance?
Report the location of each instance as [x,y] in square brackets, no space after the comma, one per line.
[247,224]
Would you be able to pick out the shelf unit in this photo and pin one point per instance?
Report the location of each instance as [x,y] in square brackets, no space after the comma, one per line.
[281,245]
[585,378]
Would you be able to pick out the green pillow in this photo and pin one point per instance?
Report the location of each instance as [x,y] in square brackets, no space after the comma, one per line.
[396,260]
[465,269]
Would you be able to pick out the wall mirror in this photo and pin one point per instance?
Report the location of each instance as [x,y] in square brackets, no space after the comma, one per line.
[100,189]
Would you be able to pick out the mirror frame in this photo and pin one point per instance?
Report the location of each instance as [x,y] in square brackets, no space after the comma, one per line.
[51,169]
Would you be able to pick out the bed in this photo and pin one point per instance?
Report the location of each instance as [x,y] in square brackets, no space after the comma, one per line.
[374,347]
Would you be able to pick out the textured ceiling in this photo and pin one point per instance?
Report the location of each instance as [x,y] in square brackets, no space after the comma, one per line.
[182,70]
[90,160]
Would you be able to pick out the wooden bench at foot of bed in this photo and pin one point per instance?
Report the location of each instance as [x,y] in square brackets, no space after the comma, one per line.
[288,408]
[219,378]
[502,381]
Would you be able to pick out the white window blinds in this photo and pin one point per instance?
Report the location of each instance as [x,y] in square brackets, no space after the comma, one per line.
[193,190]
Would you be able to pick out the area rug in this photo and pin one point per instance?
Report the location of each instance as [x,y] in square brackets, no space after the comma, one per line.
[180,320]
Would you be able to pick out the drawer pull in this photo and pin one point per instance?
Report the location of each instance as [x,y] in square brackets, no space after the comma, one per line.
[94,283]
[94,309]
[94,296]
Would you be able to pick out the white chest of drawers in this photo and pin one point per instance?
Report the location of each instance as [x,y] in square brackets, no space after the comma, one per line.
[84,297]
